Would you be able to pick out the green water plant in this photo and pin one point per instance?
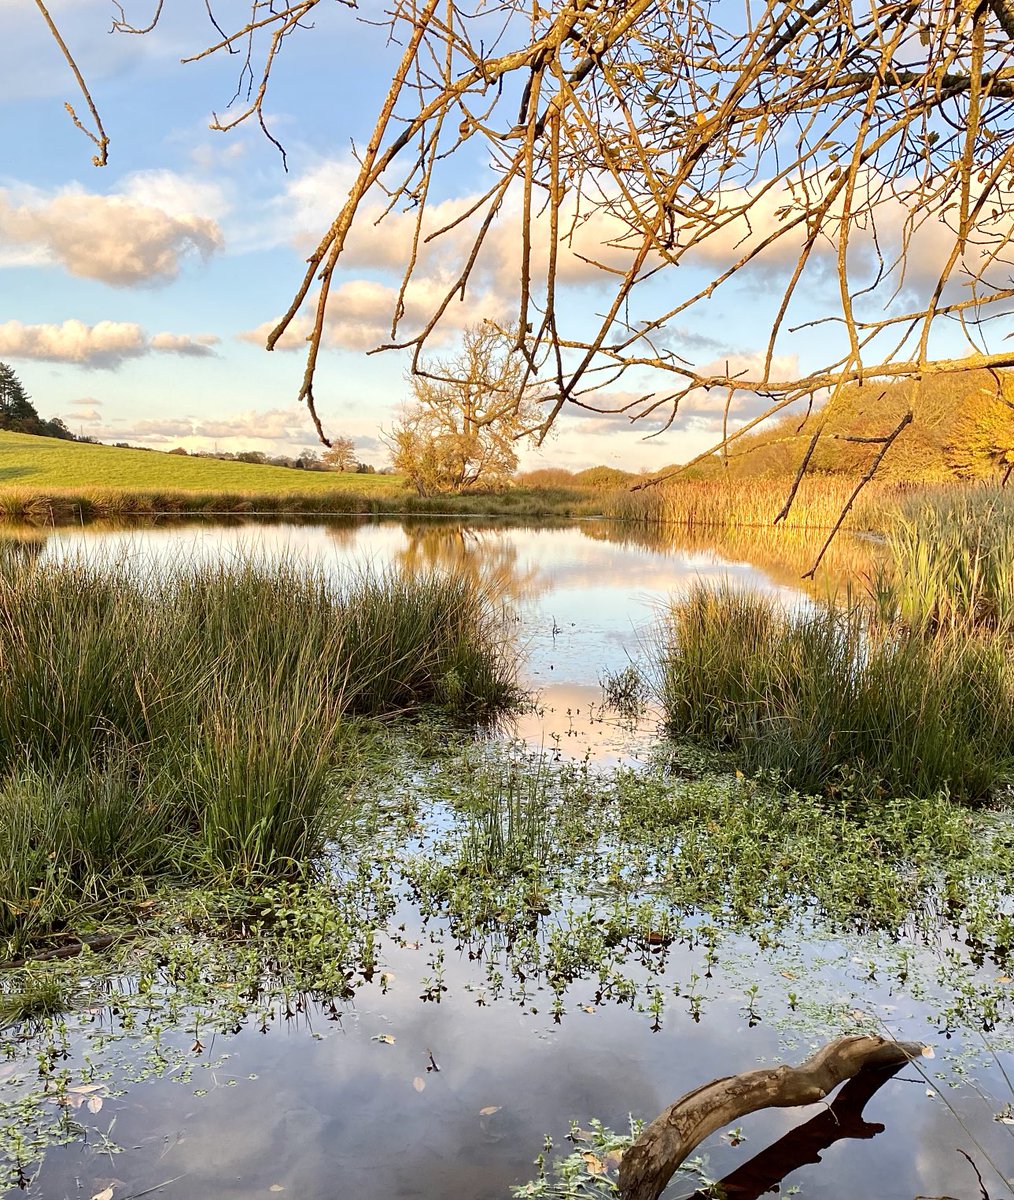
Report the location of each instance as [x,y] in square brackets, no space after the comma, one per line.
[833,702]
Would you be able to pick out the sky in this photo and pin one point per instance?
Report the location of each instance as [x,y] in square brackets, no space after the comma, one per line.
[135,298]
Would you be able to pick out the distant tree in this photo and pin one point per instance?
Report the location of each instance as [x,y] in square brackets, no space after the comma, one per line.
[468,414]
[257,457]
[56,428]
[310,460]
[17,412]
[342,454]
[175,450]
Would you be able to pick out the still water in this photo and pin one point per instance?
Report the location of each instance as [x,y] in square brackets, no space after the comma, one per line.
[392,1096]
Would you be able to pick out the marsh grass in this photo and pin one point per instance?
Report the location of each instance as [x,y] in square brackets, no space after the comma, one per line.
[952,557]
[206,718]
[729,504]
[833,702]
[510,820]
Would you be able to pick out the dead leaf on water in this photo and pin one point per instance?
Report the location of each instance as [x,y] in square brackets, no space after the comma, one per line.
[927,1052]
[276,1187]
[105,1194]
[419,1083]
[593,1163]
[386,1038]
[588,1008]
[94,1104]
[490,1110]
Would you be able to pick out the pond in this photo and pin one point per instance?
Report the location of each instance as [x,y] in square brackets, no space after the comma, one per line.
[479,1023]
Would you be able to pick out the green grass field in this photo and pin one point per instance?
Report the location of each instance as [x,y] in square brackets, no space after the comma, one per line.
[48,464]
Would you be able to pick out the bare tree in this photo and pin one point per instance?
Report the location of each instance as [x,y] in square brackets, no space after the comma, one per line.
[462,428]
[861,156]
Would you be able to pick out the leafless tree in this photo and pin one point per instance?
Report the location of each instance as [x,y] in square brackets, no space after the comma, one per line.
[462,428]
[858,155]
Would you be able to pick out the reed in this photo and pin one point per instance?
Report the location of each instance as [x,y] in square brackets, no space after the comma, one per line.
[835,703]
[951,554]
[723,504]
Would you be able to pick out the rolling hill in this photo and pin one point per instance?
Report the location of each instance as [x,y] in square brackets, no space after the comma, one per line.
[33,463]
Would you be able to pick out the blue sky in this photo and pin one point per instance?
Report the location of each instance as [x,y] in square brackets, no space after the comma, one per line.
[134,298]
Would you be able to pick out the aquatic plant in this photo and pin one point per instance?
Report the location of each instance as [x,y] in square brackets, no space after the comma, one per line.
[834,703]
[951,554]
[208,714]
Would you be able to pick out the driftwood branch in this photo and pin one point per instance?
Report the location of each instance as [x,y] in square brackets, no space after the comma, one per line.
[652,1160]
[804,1145]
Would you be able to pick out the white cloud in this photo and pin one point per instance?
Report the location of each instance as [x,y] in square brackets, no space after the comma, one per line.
[179,343]
[86,402]
[290,425]
[87,416]
[359,315]
[106,344]
[122,240]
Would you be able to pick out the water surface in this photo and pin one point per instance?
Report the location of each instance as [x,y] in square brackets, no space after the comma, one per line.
[390,1095]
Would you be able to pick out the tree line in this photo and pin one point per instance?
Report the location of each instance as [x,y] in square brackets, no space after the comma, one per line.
[19,415]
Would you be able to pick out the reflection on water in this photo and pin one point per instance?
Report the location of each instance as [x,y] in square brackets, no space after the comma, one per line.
[585,593]
[456,1100]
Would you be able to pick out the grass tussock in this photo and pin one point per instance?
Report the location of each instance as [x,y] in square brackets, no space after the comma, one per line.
[835,703]
[206,720]
[951,552]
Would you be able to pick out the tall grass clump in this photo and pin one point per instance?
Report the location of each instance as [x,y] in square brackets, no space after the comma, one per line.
[832,702]
[207,717]
[80,839]
[951,554]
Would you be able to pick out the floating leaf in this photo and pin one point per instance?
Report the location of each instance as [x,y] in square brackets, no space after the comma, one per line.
[593,1163]
[105,1194]
[386,1038]
[276,1187]
[418,1083]
[928,1052]
[94,1104]
[490,1110]
[589,1008]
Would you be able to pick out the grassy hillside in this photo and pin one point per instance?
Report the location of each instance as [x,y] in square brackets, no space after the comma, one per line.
[962,428]
[47,464]
[46,480]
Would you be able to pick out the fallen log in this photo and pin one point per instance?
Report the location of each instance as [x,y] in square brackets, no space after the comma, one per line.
[655,1156]
[802,1146]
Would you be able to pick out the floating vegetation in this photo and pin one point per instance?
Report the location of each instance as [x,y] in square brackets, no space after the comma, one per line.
[545,886]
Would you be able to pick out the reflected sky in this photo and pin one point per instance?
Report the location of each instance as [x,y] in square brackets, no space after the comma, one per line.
[320,1110]
[585,606]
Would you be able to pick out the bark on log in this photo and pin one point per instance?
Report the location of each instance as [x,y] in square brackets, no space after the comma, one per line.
[652,1160]
[843,1118]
